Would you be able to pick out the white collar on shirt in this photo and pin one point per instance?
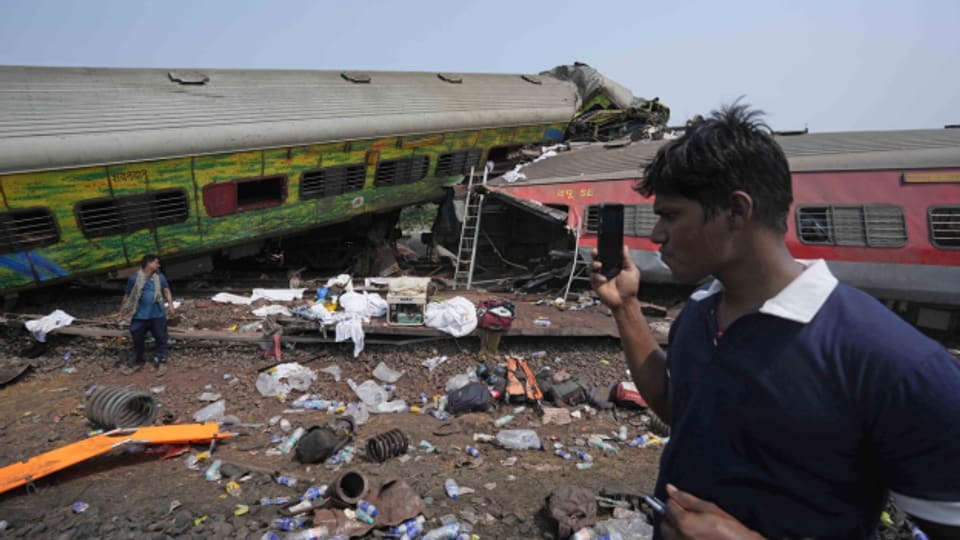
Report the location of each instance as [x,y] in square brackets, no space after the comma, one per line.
[799,301]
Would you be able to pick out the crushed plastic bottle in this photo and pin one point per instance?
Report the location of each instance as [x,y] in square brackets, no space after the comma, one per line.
[584,456]
[410,528]
[370,393]
[447,532]
[640,441]
[503,420]
[292,441]
[519,439]
[563,453]
[451,487]
[274,501]
[212,473]
[602,444]
[283,480]
[472,452]
[320,532]
[288,524]
[315,492]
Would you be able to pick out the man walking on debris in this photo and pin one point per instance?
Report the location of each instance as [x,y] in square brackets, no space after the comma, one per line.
[143,308]
[796,402]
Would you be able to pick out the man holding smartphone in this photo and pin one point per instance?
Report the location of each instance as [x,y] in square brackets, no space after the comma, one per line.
[796,403]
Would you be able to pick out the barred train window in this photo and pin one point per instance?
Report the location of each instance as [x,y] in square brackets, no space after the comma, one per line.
[455,163]
[395,172]
[944,223]
[873,225]
[105,217]
[638,219]
[331,181]
[23,230]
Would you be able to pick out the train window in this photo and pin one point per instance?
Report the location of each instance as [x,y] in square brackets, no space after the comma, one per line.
[592,222]
[332,181]
[105,217]
[877,225]
[638,219]
[395,172]
[242,195]
[454,163]
[944,223]
[23,230]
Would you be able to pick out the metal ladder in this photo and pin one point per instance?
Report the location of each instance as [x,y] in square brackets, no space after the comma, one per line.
[469,235]
[578,269]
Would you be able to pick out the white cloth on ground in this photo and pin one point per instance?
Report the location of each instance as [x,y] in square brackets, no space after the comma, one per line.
[350,326]
[44,325]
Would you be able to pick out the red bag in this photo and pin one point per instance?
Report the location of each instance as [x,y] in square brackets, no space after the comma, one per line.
[495,315]
[625,394]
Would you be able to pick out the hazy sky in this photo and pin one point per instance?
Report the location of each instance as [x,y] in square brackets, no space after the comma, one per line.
[830,65]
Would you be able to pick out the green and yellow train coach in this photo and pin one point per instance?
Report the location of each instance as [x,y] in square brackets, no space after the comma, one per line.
[100,166]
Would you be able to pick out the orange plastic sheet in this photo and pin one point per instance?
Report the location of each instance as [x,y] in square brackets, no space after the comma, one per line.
[23,472]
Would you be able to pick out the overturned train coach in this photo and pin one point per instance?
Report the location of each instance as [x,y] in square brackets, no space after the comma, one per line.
[101,166]
[882,208]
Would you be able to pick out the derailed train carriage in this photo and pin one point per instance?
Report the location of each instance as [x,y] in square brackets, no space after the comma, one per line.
[882,208]
[101,166]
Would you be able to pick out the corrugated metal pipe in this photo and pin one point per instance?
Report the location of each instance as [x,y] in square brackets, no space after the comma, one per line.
[113,407]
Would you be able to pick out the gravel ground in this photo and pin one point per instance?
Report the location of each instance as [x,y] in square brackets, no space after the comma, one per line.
[140,495]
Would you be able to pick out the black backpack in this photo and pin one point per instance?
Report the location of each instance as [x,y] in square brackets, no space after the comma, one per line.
[320,442]
[474,397]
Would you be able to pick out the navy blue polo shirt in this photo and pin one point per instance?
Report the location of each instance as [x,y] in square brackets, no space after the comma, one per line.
[800,417]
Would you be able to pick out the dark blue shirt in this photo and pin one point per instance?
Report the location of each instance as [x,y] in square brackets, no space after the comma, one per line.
[804,412]
[148,307]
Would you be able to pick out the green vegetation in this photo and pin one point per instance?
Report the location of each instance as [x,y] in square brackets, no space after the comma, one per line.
[417,218]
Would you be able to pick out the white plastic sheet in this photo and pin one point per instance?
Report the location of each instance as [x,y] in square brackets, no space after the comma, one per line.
[272,309]
[228,298]
[42,326]
[278,295]
[456,316]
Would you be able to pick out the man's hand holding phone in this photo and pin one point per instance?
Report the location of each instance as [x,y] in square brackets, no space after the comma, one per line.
[614,276]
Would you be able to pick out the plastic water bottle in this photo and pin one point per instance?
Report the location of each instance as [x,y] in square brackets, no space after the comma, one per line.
[316,533]
[584,456]
[640,441]
[292,441]
[603,445]
[314,493]
[563,453]
[278,501]
[288,524]
[410,528]
[503,420]
[213,471]
[917,533]
[452,489]
[284,480]
[473,452]
[447,532]
[622,433]
[367,508]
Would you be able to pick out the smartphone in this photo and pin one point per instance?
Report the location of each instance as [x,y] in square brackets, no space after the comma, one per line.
[610,239]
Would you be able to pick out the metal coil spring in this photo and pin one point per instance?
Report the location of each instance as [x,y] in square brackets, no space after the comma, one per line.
[387,445]
[112,407]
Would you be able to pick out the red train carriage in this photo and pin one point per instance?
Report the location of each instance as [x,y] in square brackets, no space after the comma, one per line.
[883,208]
